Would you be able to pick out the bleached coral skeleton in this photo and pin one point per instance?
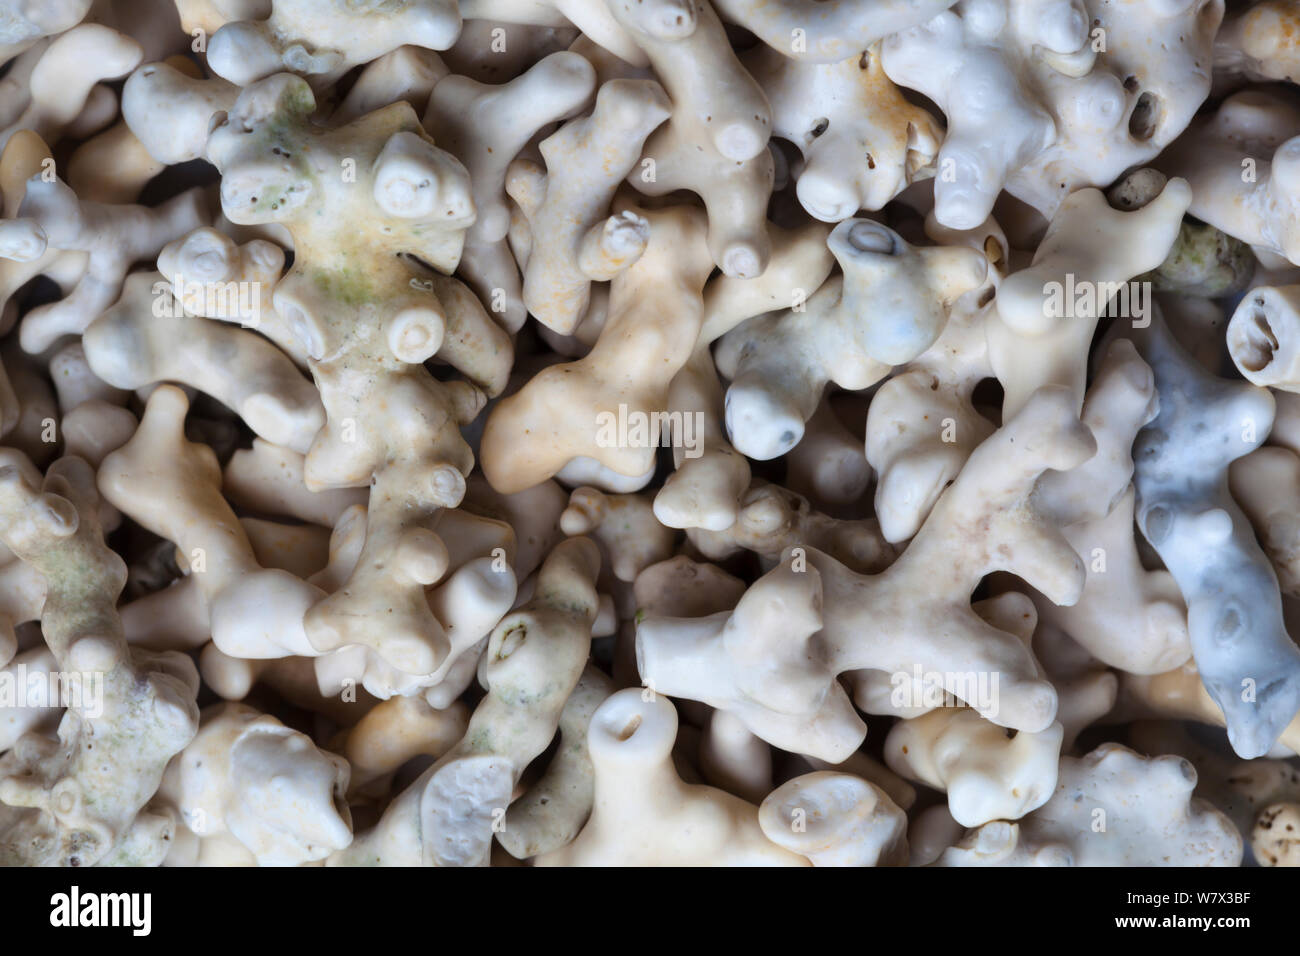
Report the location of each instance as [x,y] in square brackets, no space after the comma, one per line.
[313,329]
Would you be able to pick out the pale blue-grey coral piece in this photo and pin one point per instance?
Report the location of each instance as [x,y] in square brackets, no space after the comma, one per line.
[1248,662]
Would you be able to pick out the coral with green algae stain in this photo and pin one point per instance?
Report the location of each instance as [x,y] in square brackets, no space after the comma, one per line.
[1203,262]
[75,799]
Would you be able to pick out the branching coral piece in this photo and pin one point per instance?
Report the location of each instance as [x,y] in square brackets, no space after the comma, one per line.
[730,661]
[623,525]
[1243,163]
[987,772]
[1126,617]
[485,127]
[711,92]
[73,799]
[24,247]
[655,308]
[1091,248]
[367,314]
[1043,99]
[1093,819]
[466,605]
[986,775]
[1250,665]
[62,82]
[586,160]
[891,304]
[862,142]
[772,520]
[212,276]
[734,194]
[922,423]
[535,659]
[112,239]
[248,786]
[170,109]
[323,40]
[130,346]
[644,814]
[551,814]
[785,689]
[704,491]
[715,142]
[173,487]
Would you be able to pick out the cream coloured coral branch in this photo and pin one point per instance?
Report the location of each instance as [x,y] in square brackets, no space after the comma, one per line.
[785,688]
[553,811]
[535,658]
[645,814]
[862,142]
[1243,164]
[131,345]
[29,23]
[113,238]
[1092,820]
[323,40]
[826,31]
[1051,308]
[773,519]
[249,789]
[890,305]
[62,81]
[71,800]
[170,107]
[368,314]
[173,487]
[835,819]
[586,160]
[655,306]
[1031,89]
